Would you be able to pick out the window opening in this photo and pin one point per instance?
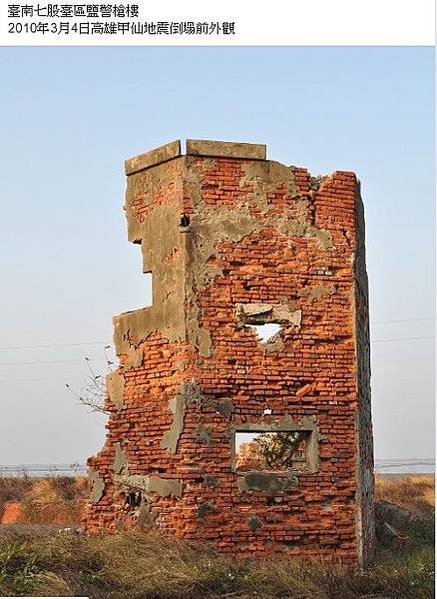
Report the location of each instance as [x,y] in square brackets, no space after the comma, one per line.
[274,451]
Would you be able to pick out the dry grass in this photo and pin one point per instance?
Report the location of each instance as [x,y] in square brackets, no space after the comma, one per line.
[51,500]
[13,489]
[140,565]
[415,493]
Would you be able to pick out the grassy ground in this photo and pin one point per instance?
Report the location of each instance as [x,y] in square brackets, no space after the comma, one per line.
[414,492]
[135,565]
[54,500]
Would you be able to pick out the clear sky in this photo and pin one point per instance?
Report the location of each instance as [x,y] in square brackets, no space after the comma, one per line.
[69,118]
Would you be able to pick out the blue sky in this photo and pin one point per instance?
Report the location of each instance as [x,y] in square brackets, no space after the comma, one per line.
[71,116]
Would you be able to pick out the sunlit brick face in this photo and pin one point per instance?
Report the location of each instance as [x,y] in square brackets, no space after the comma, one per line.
[243,393]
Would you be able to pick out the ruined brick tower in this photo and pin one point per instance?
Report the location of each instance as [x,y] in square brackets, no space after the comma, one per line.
[216,434]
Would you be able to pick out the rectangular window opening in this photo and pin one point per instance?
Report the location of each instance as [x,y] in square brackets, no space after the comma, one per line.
[275,451]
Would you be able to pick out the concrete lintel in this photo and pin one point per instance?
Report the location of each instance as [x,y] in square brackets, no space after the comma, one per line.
[152,158]
[201,147]
[286,425]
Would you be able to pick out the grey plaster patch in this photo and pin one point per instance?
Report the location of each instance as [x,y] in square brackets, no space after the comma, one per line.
[273,345]
[188,392]
[254,523]
[192,392]
[223,406]
[204,508]
[203,435]
[132,482]
[298,228]
[267,482]
[165,487]
[251,310]
[146,515]
[98,485]
[134,358]
[265,177]
[322,237]
[257,314]
[120,459]
[181,365]
[316,292]
[211,481]
[115,388]
[170,439]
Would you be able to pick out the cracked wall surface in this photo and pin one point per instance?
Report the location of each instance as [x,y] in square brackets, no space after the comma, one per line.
[235,241]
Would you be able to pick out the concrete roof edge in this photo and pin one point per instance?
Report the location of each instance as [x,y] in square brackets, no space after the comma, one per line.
[195,147]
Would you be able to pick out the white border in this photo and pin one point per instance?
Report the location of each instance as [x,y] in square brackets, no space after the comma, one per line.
[272,23]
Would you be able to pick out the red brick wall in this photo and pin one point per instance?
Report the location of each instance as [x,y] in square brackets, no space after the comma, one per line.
[297,253]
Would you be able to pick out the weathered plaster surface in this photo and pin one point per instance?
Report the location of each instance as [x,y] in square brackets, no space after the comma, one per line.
[157,227]
[316,292]
[223,406]
[164,487]
[265,313]
[254,523]
[115,384]
[120,460]
[146,515]
[225,149]
[204,508]
[98,485]
[267,482]
[152,158]
[134,358]
[211,481]
[177,407]
[211,226]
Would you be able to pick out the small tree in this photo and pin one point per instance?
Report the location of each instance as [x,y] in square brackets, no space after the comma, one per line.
[271,451]
[279,449]
[93,394]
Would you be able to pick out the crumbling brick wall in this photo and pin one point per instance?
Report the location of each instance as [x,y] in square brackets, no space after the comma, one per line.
[234,240]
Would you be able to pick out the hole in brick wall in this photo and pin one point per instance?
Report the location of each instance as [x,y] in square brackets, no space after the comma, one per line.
[267,412]
[272,451]
[133,499]
[185,221]
[265,332]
